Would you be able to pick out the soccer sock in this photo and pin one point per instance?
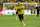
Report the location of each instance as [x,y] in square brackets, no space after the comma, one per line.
[22,22]
[16,16]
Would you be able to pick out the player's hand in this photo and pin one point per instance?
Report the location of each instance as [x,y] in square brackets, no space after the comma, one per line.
[27,10]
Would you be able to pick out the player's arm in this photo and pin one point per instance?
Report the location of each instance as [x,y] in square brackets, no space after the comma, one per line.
[27,10]
[23,7]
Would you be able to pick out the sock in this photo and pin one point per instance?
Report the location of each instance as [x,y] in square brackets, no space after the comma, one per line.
[22,22]
[16,16]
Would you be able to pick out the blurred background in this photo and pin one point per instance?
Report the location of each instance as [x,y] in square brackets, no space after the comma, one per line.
[8,17]
[9,5]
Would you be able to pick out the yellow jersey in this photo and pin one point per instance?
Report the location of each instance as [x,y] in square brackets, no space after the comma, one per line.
[22,9]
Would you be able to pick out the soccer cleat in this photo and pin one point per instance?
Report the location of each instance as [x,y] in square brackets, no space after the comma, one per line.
[16,19]
[24,24]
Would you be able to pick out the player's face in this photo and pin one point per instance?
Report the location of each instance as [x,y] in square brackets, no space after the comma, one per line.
[19,4]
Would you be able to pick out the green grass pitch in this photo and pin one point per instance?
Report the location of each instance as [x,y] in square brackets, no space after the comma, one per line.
[10,21]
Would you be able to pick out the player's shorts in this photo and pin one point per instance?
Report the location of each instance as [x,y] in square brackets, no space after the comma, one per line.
[37,11]
[16,12]
[21,17]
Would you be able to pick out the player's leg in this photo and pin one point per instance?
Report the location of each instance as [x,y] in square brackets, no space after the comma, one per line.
[37,12]
[22,18]
[16,15]
[19,16]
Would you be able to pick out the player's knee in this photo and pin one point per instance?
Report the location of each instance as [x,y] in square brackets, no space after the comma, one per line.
[22,18]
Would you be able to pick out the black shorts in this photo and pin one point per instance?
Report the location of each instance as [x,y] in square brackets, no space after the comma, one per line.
[16,13]
[21,17]
[37,11]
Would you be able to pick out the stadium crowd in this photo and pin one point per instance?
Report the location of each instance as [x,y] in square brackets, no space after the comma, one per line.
[10,7]
[15,1]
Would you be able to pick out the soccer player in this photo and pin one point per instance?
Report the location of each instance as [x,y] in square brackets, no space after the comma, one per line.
[20,12]
[37,11]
